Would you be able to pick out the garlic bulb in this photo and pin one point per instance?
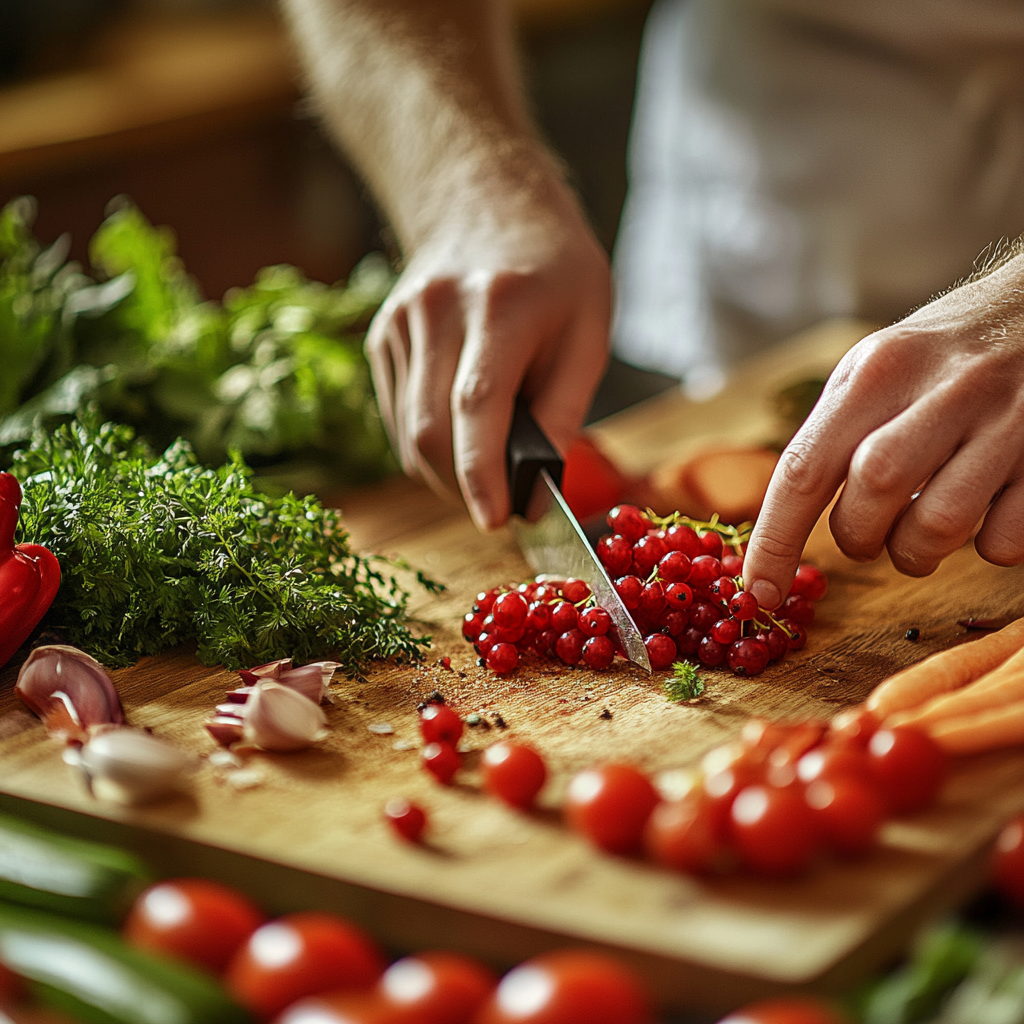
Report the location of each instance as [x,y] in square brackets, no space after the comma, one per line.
[279,718]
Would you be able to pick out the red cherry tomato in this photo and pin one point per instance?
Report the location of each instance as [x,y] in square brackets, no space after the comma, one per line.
[437,987]
[513,773]
[300,955]
[685,834]
[773,830]
[1008,861]
[610,806]
[791,1010]
[439,724]
[835,761]
[345,1008]
[849,813]
[909,766]
[192,919]
[568,987]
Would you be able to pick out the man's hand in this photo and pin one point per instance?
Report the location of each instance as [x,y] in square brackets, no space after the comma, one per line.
[482,312]
[505,290]
[925,423]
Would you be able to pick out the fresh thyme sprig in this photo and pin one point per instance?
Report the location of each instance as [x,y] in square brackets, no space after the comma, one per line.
[684,683]
[158,551]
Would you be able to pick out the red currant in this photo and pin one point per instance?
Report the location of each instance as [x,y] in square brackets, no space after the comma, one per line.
[485,600]
[439,724]
[471,624]
[674,622]
[484,642]
[510,610]
[726,631]
[513,773]
[563,616]
[688,642]
[711,652]
[442,761]
[711,543]
[743,606]
[723,588]
[678,596]
[594,622]
[648,552]
[703,615]
[407,819]
[777,641]
[797,634]
[732,564]
[598,652]
[810,582]
[674,568]
[569,646]
[544,645]
[682,538]
[703,570]
[661,650]
[629,521]
[629,588]
[615,553]
[799,608]
[575,591]
[539,616]
[502,658]
[748,657]
[652,599]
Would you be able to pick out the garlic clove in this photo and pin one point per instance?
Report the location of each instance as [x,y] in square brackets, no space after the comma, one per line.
[279,718]
[68,690]
[224,729]
[272,669]
[309,680]
[239,695]
[132,766]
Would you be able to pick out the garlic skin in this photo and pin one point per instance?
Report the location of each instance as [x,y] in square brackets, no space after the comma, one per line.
[279,718]
[131,766]
[310,680]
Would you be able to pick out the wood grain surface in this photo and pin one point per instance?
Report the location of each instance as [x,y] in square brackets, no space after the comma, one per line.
[305,829]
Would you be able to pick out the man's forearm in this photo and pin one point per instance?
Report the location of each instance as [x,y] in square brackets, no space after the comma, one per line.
[424,96]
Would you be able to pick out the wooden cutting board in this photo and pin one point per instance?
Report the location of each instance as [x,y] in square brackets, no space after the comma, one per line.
[305,829]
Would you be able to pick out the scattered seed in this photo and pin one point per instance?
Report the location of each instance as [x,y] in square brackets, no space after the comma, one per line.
[381,728]
[912,634]
[403,745]
[473,720]
[245,778]
[500,722]
[605,714]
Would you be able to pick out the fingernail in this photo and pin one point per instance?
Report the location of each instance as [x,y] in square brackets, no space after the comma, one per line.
[767,594]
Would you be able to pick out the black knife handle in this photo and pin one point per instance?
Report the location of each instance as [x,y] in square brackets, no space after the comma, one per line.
[528,452]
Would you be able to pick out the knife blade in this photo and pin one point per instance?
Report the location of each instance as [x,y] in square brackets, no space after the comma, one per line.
[548,534]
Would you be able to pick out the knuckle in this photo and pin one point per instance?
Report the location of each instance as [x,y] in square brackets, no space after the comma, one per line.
[874,465]
[796,470]
[876,361]
[472,393]
[775,547]
[940,529]
[1000,546]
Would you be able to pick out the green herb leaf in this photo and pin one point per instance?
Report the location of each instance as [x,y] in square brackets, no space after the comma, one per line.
[158,551]
[685,684]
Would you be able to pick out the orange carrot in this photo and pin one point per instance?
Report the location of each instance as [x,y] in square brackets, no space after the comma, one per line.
[1003,685]
[945,671]
[985,730]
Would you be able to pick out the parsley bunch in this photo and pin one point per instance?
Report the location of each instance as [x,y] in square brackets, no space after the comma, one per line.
[158,551]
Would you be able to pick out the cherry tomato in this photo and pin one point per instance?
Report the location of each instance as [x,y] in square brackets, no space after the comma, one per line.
[773,830]
[192,919]
[849,813]
[513,773]
[568,987]
[857,725]
[345,1008]
[300,955]
[909,766]
[1008,861]
[685,834]
[834,761]
[791,1010]
[437,987]
[610,806]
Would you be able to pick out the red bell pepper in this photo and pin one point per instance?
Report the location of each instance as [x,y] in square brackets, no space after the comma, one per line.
[29,575]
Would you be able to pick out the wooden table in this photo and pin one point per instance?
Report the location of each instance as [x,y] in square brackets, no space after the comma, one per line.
[304,829]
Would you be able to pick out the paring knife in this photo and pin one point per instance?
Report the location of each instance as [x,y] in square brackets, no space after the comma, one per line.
[549,536]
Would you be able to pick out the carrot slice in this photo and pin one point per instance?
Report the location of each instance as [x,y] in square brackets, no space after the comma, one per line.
[945,671]
[1003,685]
[986,730]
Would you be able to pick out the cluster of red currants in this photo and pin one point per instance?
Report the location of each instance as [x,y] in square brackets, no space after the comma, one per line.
[772,802]
[681,581]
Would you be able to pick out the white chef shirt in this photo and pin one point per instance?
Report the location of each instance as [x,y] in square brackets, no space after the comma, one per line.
[792,160]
